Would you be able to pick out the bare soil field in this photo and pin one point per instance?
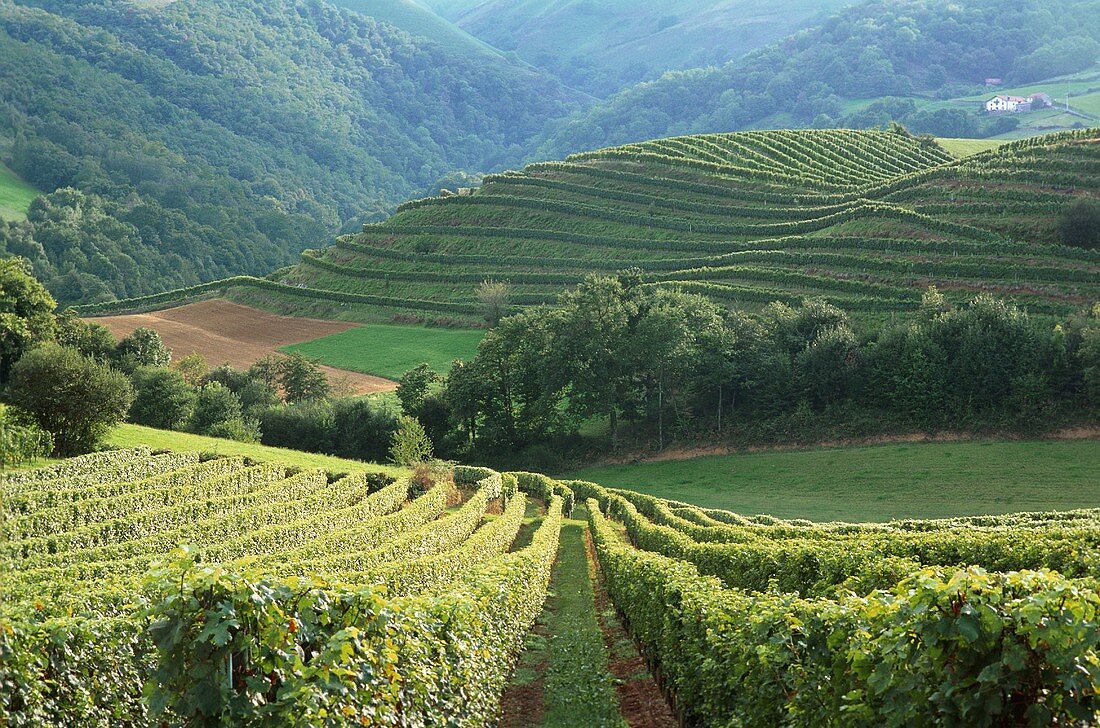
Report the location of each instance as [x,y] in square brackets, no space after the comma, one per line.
[225,332]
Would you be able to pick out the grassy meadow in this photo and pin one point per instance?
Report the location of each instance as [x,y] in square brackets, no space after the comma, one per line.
[877,483]
[390,351]
[967,147]
[133,435]
[15,195]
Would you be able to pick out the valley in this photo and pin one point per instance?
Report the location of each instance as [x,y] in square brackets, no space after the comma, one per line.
[549,363]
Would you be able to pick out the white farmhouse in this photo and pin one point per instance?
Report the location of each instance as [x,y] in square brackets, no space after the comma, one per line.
[1001,104]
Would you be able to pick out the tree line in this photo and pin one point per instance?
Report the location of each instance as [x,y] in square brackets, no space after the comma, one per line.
[661,365]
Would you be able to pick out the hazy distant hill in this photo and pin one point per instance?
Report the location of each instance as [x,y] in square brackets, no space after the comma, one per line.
[416,18]
[601,46]
[879,48]
[218,137]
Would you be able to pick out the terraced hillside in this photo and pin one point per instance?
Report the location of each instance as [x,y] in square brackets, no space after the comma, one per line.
[440,594]
[866,220]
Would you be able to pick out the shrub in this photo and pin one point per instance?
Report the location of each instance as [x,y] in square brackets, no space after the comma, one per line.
[162,398]
[409,444]
[141,348]
[215,405]
[73,398]
[363,429]
[302,379]
[308,426]
[20,441]
[241,429]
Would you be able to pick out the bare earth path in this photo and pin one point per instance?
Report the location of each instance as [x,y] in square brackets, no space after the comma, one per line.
[225,332]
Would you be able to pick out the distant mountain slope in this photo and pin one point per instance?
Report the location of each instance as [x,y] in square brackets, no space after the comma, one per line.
[878,48]
[866,220]
[417,19]
[216,137]
[601,46]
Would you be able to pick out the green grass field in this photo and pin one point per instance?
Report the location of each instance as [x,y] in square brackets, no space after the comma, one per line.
[966,147]
[134,435]
[876,483]
[15,195]
[390,351]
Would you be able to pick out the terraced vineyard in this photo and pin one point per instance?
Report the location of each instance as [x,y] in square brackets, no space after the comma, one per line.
[307,599]
[866,220]
[300,596]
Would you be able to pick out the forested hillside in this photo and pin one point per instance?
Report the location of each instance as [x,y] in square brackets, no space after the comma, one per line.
[880,48]
[602,46]
[207,138]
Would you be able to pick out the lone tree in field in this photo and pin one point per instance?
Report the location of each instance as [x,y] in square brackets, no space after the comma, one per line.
[26,313]
[410,444]
[493,296]
[74,398]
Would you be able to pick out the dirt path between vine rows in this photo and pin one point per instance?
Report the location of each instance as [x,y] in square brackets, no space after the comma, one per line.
[229,333]
[641,700]
[579,666]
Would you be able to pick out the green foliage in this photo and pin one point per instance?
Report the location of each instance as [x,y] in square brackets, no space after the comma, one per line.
[861,220]
[302,380]
[414,388]
[217,413]
[617,43]
[26,313]
[678,365]
[410,444]
[1080,224]
[75,399]
[943,646]
[493,296]
[92,340]
[142,348]
[21,441]
[234,175]
[871,49]
[361,640]
[162,398]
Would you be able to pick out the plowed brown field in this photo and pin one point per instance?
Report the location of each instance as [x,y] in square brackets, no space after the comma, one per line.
[225,332]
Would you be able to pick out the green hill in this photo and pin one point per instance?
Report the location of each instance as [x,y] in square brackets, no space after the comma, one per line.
[414,18]
[210,138]
[866,220]
[15,195]
[886,50]
[601,47]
